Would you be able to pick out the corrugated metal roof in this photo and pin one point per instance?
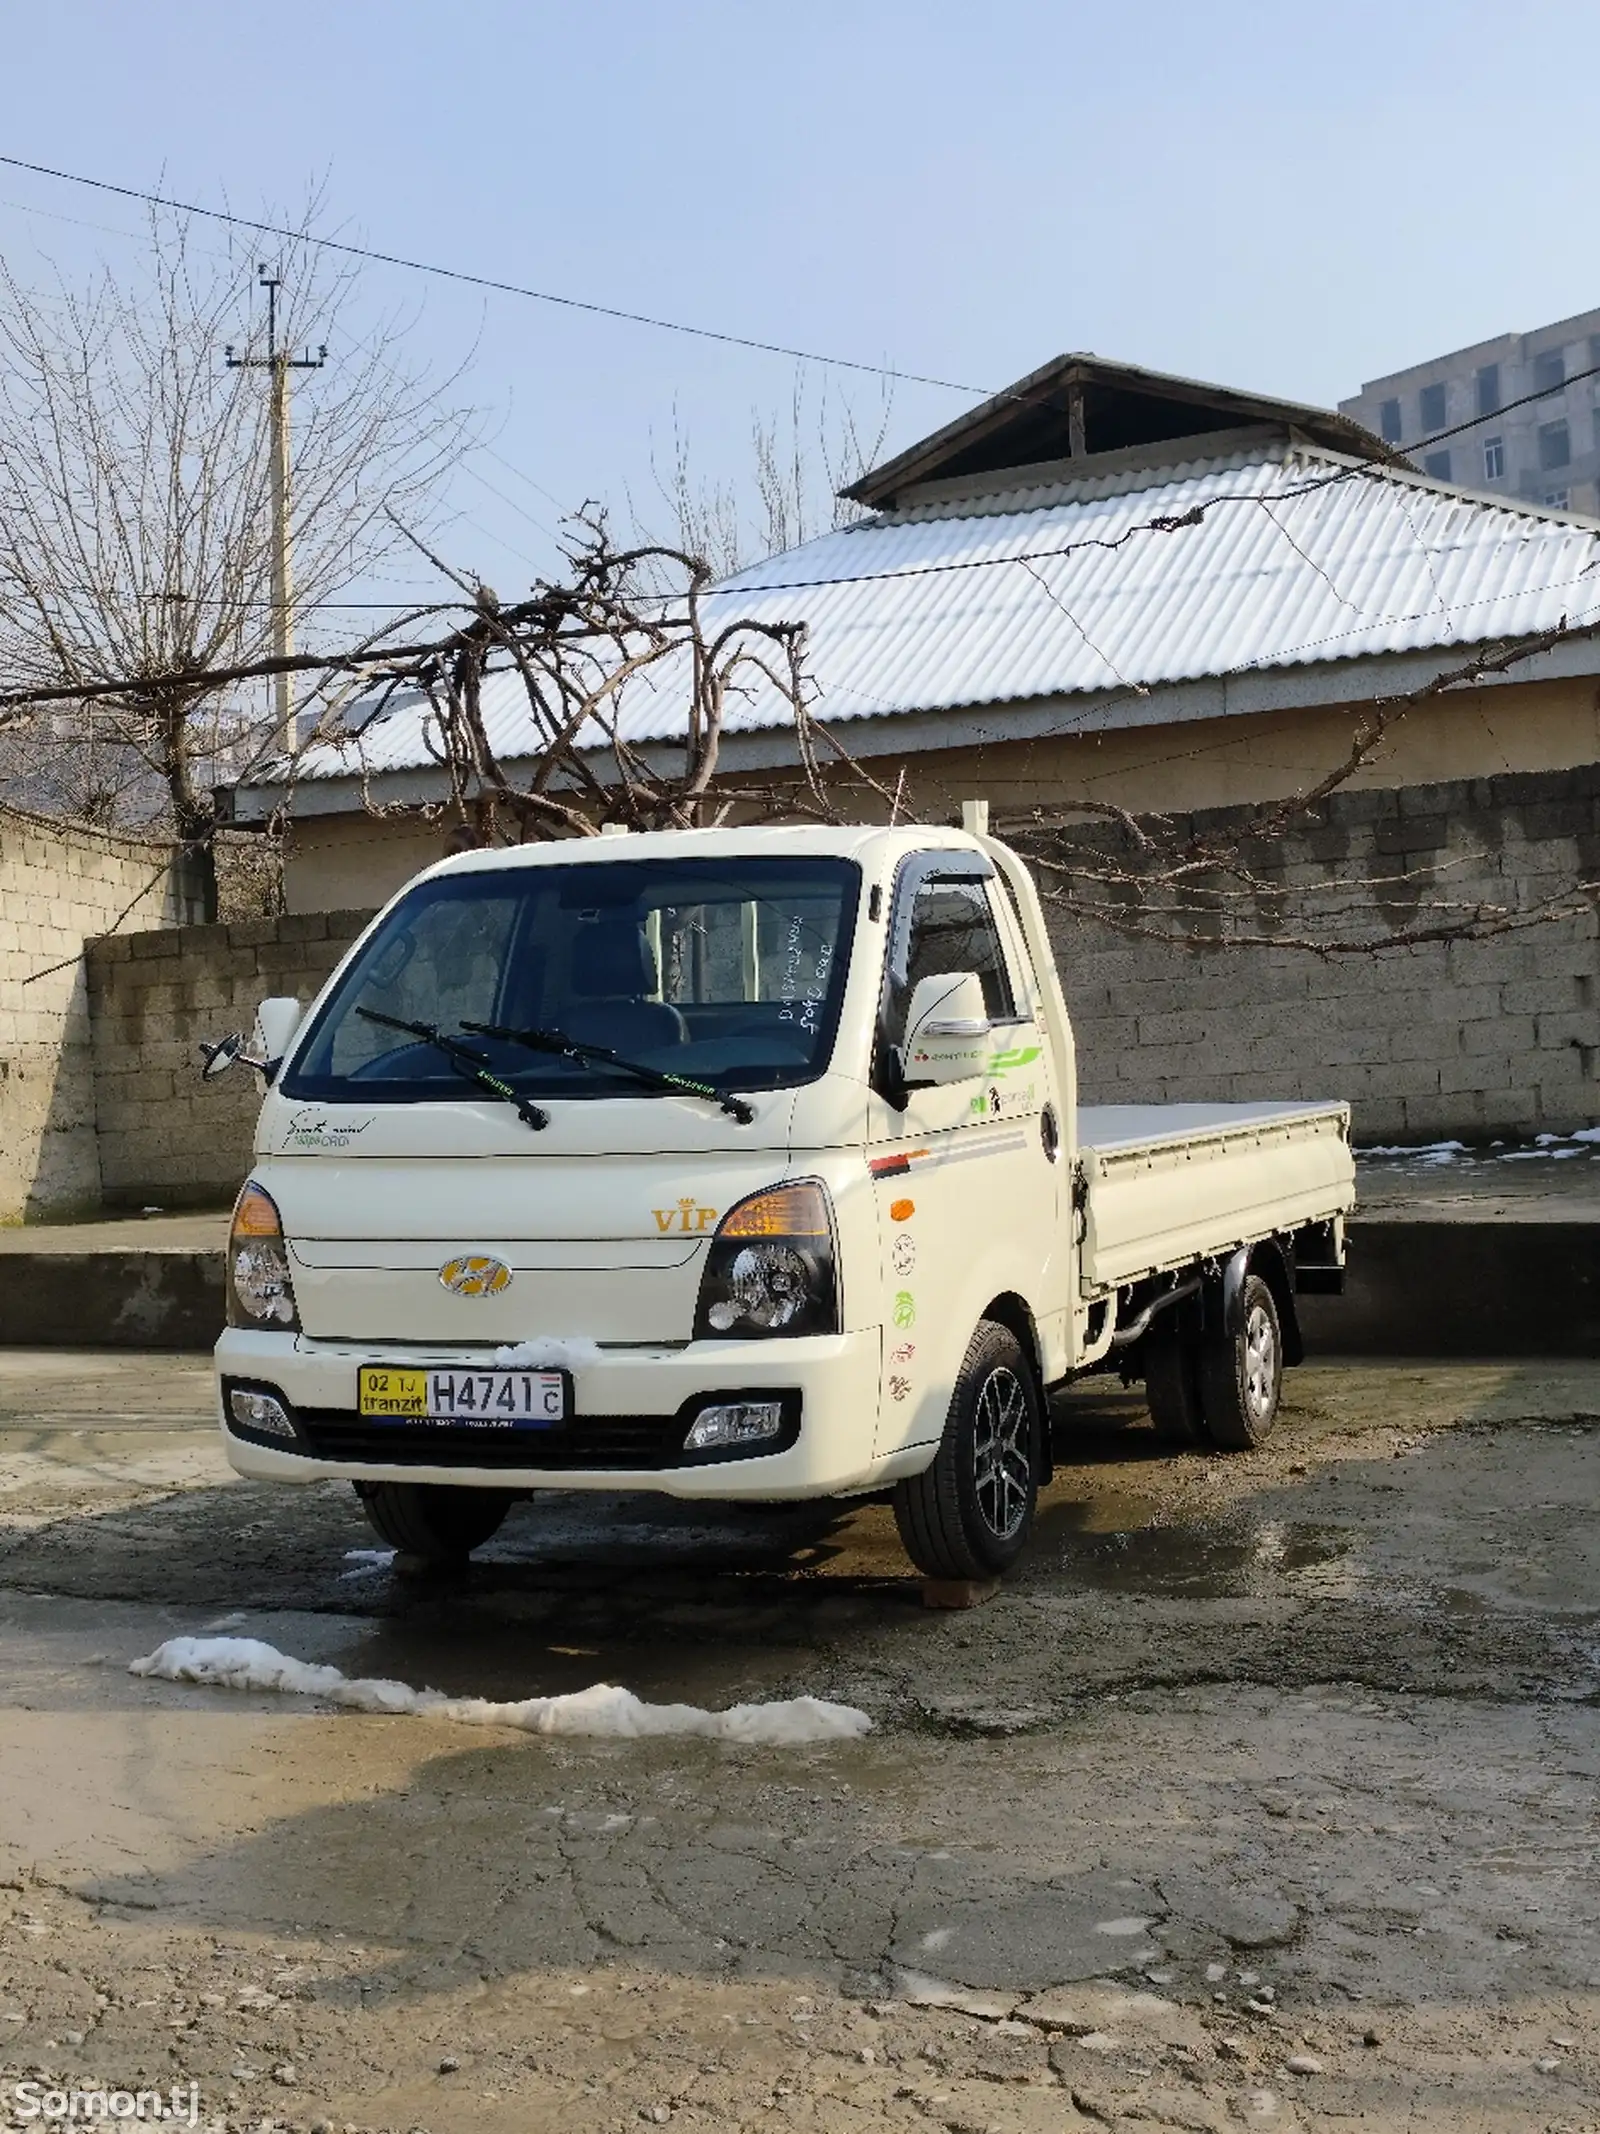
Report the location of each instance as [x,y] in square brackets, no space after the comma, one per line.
[1099,585]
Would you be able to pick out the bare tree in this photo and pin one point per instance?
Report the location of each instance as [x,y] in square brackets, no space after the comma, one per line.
[799,463]
[584,653]
[136,535]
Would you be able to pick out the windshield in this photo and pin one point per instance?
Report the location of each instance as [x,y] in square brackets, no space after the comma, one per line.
[726,972]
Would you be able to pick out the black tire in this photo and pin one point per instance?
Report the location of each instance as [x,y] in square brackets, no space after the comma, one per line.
[1241,1374]
[432,1521]
[1172,1382]
[968,1514]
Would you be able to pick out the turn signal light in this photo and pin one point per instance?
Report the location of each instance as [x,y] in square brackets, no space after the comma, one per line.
[255,1213]
[785,1211]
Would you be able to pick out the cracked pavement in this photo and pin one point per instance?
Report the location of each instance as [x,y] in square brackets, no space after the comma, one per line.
[1264,1794]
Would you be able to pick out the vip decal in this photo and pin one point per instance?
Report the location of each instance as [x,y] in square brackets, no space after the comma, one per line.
[903,1253]
[905,1309]
[687,1217]
[901,1211]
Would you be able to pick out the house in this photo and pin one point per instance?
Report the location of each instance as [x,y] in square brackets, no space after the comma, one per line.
[1103,584]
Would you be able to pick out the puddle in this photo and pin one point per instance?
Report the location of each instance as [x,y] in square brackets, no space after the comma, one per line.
[1219,1560]
[482,1657]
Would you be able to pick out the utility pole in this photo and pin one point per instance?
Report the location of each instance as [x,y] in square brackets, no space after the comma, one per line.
[278,363]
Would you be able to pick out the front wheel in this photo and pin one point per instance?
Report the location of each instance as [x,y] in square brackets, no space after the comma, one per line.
[432,1521]
[1241,1373]
[968,1514]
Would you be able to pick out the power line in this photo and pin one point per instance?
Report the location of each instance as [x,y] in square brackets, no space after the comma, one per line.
[485,281]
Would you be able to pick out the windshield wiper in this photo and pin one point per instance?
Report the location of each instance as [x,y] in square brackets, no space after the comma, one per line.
[466,1062]
[574,1048]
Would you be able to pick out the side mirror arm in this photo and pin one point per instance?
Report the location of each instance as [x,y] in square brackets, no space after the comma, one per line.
[225,1052]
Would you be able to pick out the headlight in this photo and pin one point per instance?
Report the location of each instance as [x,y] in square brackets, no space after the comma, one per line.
[260,1292]
[770,1269]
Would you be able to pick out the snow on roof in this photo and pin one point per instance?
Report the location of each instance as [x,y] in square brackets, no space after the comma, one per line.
[1046,582]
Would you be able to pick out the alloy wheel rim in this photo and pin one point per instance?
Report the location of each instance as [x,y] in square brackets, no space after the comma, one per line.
[1260,1362]
[1002,1464]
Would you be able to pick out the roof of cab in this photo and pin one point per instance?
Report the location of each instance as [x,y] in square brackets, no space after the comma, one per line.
[857,841]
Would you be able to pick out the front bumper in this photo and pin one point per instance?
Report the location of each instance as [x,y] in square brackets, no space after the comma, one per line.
[631,1409]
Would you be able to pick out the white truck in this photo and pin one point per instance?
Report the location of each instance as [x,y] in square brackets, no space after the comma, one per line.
[737,1164]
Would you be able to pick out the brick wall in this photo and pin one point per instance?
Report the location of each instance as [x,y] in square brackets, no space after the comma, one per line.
[167,1138]
[1440,1040]
[59,885]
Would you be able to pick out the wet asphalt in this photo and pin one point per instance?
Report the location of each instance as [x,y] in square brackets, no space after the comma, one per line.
[1321,1719]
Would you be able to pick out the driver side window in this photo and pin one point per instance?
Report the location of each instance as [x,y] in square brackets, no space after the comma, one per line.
[950,926]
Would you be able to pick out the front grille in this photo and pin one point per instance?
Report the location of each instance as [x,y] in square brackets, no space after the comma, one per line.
[639,1442]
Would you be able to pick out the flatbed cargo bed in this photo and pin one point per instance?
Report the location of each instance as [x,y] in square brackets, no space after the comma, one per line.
[1167,1184]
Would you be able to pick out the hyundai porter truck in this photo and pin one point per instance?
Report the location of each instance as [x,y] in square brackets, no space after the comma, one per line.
[741,1165]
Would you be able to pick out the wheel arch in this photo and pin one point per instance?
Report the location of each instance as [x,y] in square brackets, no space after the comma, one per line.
[1011,1311]
[1274,1263]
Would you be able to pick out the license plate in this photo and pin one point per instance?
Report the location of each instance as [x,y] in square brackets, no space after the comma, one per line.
[478,1400]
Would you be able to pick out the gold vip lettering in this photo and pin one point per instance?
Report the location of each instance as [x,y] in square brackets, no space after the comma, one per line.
[686,1216]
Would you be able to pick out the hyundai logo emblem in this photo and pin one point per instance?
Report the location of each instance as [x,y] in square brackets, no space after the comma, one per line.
[475,1274]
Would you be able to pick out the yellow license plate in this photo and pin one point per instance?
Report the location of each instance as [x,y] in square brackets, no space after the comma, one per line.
[382,1391]
[457,1394]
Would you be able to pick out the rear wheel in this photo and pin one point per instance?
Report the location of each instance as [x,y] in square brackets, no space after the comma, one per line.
[1241,1373]
[431,1521]
[968,1514]
[1172,1382]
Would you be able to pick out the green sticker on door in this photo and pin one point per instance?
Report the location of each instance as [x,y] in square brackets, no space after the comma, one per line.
[905,1308]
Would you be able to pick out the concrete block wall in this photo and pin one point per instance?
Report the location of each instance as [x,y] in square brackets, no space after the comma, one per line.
[167,1139]
[1439,1040]
[59,885]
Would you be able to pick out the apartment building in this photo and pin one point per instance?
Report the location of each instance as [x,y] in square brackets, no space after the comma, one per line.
[1546,453]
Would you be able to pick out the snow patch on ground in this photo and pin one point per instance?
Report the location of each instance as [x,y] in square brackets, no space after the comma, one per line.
[1432,1152]
[1554,1147]
[551,1353]
[366,1563]
[248,1664]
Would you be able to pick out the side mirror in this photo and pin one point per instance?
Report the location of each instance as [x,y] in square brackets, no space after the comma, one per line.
[277,1021]
[947,1027]
[221,1055]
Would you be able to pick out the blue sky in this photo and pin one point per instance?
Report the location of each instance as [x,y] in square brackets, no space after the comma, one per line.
[1286,197]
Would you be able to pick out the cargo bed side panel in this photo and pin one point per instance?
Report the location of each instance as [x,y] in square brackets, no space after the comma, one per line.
[1176,1197]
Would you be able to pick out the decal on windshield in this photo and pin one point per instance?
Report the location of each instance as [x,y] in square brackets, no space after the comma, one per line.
[803,1003]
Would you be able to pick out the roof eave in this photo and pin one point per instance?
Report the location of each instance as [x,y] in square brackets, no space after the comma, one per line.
[880,486]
